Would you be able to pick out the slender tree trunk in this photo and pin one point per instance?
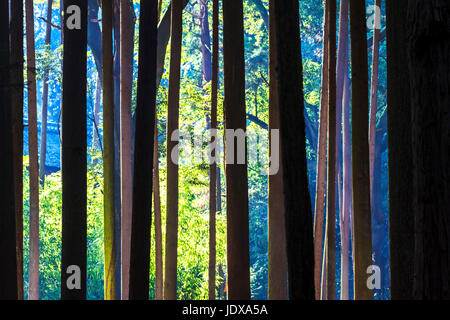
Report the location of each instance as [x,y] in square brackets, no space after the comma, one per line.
[126,83]
[74,149]
[8,267]
[238,256]
[347,189]
[213,166]
[143,157]
[97,103]
[43,152]
[331,178]
[401,221]
[170,278]
[374,92]
[429,67]
[159,280]
[277,233]
[33,292]
[110,244]
[321,170]
[362,230]
[17,63]
[298,213]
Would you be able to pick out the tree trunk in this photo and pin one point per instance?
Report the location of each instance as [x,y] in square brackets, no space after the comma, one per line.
[298,213]
[143,157]
[277,233]
[8,267]
[362,230]
[126,83]
[159,280]
[33,292]
[238,256]
[321,170]
[429,67]
[43,152]
[213,166]
[401,221]
[331,177]
[74,149]
[97,103]
[17,63]
[170,281]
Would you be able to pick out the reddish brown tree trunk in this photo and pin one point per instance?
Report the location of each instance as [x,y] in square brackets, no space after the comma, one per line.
[159,280]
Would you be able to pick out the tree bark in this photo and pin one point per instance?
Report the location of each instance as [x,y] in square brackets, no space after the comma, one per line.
[159,280]
[331,177]
[33,292]
[17,63]
[143,157]
[277,233]
[74,149]
[213,166]
[43,152]
[126,83]
[8,267]
[238,256]
[319,211]
[298,213]
[428,51]
[170,278]
[362,230]
[401,220]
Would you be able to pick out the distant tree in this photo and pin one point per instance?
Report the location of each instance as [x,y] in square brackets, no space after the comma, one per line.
[276,228]
[401,219]
[33,292]
[143,157]
[8,266]
[298,212]
[429,67]
[74,150]
[17,95]
[362,230]
[238,256]
[170,274]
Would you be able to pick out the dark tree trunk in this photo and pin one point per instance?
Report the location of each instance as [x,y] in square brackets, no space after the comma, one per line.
[17,63]
[276,228]
[143,158]
[238,256]
[170,277]
[429,66]
[74,149]
[8,266]
[401,220]
[298,213]
[362,230]
[205,39]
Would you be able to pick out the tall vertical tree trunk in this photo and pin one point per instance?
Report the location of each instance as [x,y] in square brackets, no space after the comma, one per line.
[97,102]
[213,166]
[321,170]
[159,283]
[331,177]
[110,244]
[298,213]
[277,233]
[43,152]
[238,256]
[341,108]
[8,267]
[362,230]
[126,83]
[401,221]
[17,63]
[170,277]
[74,148]
[428,51]
[143,157]
[374,92]
[33,292]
